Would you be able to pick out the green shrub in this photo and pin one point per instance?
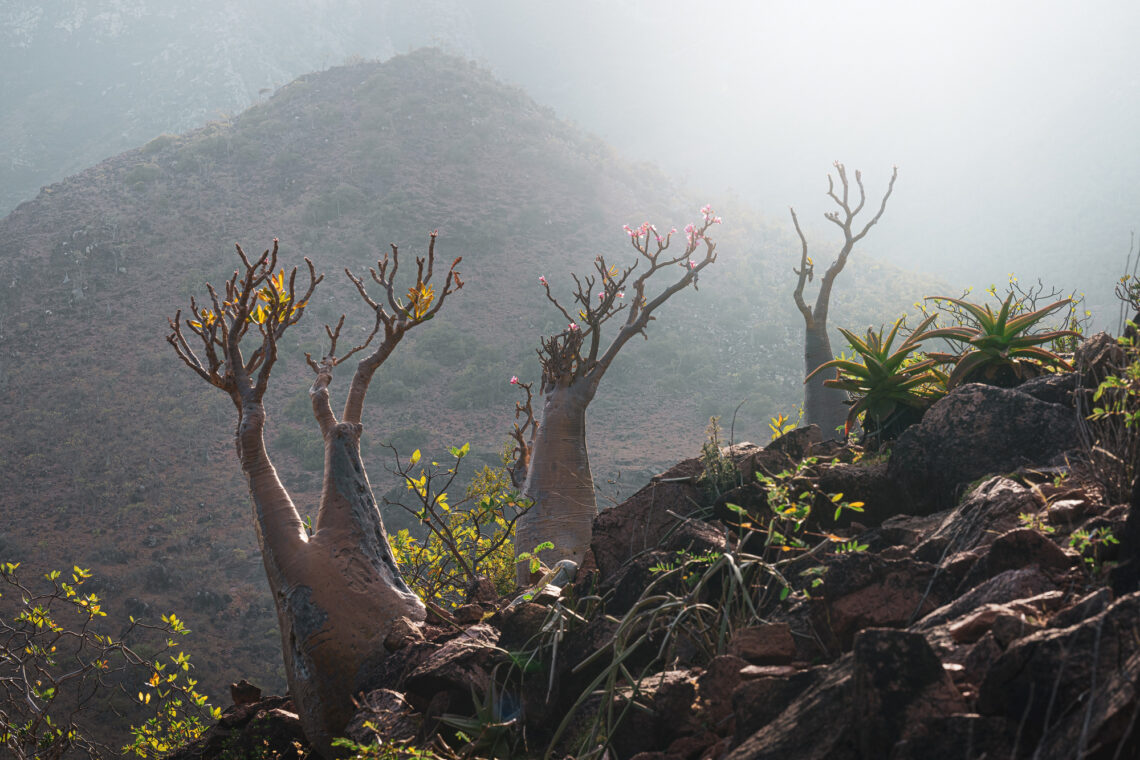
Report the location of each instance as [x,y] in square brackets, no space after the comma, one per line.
[57,665]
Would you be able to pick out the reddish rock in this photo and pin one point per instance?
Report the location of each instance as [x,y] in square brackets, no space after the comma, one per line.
[1091,604]
[462,665]
[973,626]
[1029,584]
[481,589]
[639,522]
[988,511]
[715,687]
[402,633]
[868,483]
[244,693]
[1066,511]
[691,747]
[768,644]
[760,699]
[1018,548]
[467,614]
[963,736]
[862,590]
[1011,626]
[519,624]
[978,660]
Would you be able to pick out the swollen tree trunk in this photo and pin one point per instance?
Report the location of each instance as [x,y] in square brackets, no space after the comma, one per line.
[337,593]
[559,479]
[822,406]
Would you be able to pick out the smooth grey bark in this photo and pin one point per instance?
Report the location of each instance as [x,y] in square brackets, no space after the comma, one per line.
[336,593]
[823,406]
[559,478]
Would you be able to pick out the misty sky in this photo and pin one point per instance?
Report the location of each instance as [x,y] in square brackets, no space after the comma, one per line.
[1013,123]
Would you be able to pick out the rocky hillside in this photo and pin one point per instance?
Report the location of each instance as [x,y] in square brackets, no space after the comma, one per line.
[979,614]
[121,460]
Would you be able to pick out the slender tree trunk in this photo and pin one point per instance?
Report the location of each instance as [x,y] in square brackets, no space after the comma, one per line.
[822,406]
[559,480]
[337,593]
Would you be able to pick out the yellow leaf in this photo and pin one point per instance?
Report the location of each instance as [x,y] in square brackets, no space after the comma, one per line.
[415,458]
[420,297]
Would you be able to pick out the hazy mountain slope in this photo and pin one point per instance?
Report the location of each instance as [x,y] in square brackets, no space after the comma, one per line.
[85,79]
[119,458]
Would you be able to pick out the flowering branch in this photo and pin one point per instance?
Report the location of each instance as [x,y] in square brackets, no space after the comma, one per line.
[601,295]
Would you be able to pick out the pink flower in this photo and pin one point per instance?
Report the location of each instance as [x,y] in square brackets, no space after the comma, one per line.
[707,209]
[690,229]
[573,327]
[601,296]
[542,279]
[692,265]
[621,294]
[514,379]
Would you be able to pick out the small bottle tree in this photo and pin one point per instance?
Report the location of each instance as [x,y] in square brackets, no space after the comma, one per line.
[337,591]
[824,406]
[555,458]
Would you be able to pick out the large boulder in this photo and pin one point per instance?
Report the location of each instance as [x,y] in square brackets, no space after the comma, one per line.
[640,521]
[980,430]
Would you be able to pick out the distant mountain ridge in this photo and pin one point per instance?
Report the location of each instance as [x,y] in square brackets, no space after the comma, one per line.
[88,78]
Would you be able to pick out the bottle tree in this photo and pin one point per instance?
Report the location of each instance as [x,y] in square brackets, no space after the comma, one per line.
[337,591]
[556,461]
[825,406]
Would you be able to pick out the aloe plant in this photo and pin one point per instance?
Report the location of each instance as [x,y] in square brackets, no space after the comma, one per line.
[889,383]
[999,349]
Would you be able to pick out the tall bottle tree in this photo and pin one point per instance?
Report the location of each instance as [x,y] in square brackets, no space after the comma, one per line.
[825,406]
[556,461]
[337,591]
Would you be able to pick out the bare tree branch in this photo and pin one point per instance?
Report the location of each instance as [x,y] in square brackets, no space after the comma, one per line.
[523,435]
[423,304]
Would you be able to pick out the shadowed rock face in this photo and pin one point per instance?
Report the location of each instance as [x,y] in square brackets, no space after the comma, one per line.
[1076,686]
[978,430]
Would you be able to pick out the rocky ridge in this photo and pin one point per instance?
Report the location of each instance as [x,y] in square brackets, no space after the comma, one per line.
[968,627]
